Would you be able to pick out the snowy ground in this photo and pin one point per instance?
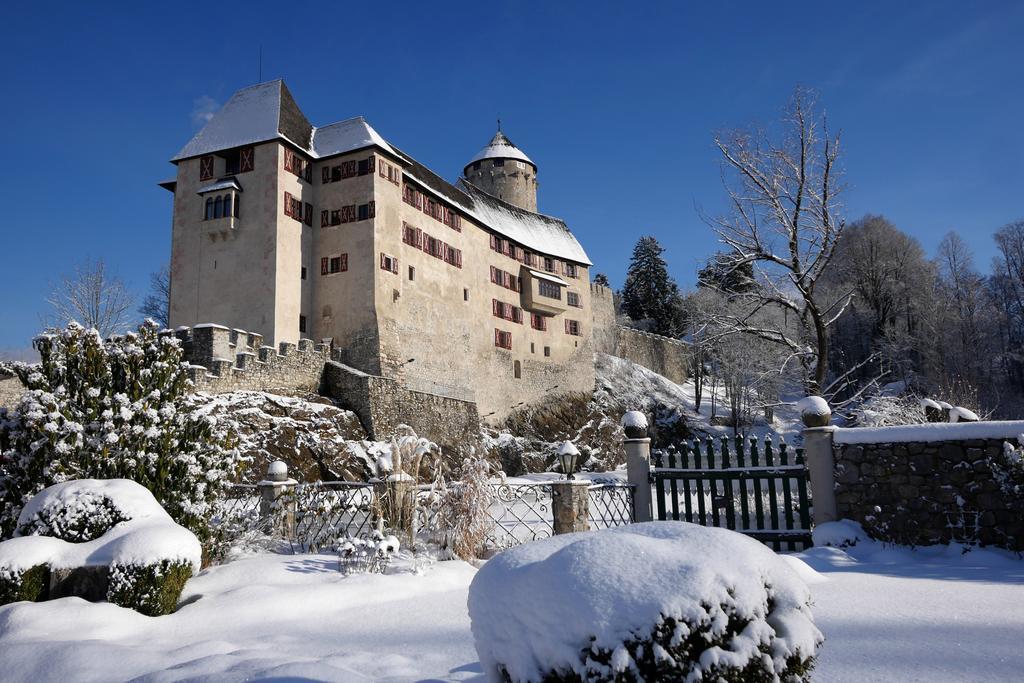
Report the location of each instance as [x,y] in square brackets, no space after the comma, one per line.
[887,614]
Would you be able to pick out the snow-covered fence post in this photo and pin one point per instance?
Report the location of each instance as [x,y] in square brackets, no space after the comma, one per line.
[638,464]
[816,416]
[275,498]
[570,506]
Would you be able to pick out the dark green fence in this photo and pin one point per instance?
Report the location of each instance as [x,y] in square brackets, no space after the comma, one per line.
[759,491]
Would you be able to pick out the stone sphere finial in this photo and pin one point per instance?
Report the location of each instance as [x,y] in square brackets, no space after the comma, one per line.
[814,411]
[277,471]
[634,423]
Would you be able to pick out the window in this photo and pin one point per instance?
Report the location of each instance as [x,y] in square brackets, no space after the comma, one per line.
[452,256]
[366,211]
[336,217]
[549,289]
[465,293]
[293,208]
[570,270]
[573,299]
[389,171]
[366,166]
[218,207]
[499,162]
[538,322]
[500,309]
[303,275]
[297,165]
[206,167]
[503,340]
[209,209]
[505,279]
[549,264]
[547,351]
[336,264]
[325,175]
[412,236]
[388,263]
[532,348]
[412,273]
[572,327]
[517,370]
[302,323]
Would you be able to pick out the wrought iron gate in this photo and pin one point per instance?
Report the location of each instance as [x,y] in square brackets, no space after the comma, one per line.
[761,498]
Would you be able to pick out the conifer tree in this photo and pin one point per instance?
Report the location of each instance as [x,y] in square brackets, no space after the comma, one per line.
[109,410]
[650,294]
[727,273]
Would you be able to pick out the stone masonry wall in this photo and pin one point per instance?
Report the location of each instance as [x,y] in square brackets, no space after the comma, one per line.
[226,360]
[382,404]
[923,493]
[668,357]
[11,390]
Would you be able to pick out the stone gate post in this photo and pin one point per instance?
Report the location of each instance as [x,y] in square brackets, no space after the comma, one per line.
[570,506]
[638,464]
[274,498]
[816,416]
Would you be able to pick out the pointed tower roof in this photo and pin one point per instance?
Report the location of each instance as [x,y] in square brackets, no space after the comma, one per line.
[500,147]
[255,114]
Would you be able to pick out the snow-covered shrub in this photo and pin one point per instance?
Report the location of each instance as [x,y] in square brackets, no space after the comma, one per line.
[887,411]
[84,518]
[149,556]
[107,410]
[152,589]
[1008,468]
[367,555]
[462,520]
[660,601]
[17,583]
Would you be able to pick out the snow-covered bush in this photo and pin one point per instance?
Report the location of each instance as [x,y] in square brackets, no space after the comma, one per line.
[107,410]
[887,411]
[84,518]
[657,601]
[149,557]
[367,555]
[1008,468]
[151,588]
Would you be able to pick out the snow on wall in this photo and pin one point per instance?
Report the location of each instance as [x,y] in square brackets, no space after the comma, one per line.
[930,433]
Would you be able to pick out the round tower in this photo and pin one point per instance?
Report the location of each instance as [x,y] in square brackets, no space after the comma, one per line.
[503,170]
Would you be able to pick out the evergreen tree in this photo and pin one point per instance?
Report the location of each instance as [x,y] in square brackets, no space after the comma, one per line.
[111,410]
[728,274]
[649,293]
[601,279]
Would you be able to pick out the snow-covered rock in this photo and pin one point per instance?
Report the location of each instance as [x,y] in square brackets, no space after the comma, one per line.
[636,597]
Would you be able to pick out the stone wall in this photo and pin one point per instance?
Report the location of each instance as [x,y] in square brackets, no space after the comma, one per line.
[922,486]
[226,360]
[11,389]
[602,309]
[383,404]
[668,357]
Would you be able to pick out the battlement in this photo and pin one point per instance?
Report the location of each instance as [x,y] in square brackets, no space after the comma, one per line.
[658,337]
[223,359]
[600,291]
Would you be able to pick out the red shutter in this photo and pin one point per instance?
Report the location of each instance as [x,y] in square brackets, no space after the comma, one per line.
[287,159]
[287,203]
[206,167]
[458,258]
[566,326]
[323,218]
[371,164]
[309,214]
[323,265]
[325,174]
[245,161]
[493,243]
[344,262]
[373,207]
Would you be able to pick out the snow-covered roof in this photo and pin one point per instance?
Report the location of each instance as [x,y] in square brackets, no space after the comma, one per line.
[548,276]
[261,112]
[535,231]
[223,184]
[347,136]
[500,147]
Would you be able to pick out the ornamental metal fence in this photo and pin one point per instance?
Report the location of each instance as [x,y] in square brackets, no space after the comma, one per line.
[611,505]
[745,490]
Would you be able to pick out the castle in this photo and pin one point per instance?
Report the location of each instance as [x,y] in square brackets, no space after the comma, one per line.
[283,231]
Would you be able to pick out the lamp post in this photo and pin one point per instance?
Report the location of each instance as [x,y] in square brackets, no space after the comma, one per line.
[568,456]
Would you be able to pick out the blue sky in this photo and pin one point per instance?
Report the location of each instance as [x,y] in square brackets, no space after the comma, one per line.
[616,102]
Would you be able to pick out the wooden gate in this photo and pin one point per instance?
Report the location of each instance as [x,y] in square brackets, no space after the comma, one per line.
[743,491]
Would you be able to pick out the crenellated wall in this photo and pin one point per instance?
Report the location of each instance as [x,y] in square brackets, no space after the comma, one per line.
[225,360]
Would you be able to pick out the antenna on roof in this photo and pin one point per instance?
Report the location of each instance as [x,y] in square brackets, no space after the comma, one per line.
[259,78]
[499,124]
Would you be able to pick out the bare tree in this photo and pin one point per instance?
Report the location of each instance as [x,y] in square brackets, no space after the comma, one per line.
[785,220]
[93,298]
[157,304]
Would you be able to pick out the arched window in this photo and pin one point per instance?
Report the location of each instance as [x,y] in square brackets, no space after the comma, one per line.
[218,208]
[209,208]
[517,370]
[236,205]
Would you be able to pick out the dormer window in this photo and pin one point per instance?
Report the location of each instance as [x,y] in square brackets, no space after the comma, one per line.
[499,162]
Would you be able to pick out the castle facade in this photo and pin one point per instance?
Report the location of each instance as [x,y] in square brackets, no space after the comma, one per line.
[333,234]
